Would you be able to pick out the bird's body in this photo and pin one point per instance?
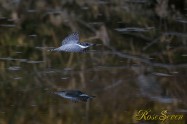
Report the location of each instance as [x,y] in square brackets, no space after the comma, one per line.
[71,44]
[74,95]
[71,48]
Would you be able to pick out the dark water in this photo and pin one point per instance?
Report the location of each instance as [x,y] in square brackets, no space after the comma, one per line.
[139,62]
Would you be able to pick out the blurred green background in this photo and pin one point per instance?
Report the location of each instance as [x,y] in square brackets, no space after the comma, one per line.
[139,62]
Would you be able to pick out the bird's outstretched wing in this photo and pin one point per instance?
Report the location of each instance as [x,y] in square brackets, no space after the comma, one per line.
[72,38]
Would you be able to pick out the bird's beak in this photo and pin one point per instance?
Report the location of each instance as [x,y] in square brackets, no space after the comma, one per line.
[94,44]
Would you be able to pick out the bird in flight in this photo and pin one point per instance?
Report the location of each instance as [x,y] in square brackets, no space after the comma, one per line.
[74,95]
[72,44]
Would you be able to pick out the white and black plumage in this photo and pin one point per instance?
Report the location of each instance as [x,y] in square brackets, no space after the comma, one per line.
[71,44]
[74,95]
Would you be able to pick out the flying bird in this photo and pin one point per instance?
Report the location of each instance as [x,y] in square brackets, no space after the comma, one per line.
[74,95]
[72,44]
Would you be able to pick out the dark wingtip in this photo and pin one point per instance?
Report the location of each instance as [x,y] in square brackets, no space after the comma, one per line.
[75,32]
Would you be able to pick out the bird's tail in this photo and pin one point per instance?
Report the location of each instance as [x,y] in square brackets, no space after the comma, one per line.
[52,92]
[51,49]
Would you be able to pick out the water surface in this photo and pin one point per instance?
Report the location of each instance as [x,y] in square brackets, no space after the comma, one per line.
[139,62]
